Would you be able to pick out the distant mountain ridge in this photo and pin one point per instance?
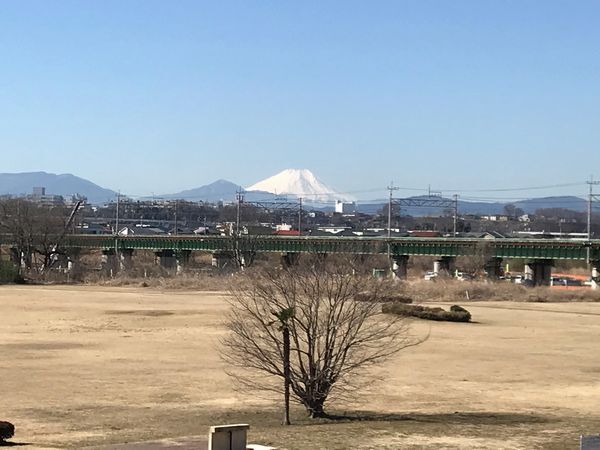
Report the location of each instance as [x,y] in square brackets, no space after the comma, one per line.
[528,206]
[220,190]
[57,184]
[213,192]
[68,184]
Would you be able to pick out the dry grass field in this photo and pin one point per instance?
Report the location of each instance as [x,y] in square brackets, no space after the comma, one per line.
[94,366]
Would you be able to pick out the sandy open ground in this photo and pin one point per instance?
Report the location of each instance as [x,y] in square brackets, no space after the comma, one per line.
[93,366]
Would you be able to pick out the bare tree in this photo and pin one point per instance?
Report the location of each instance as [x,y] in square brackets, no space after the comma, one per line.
[334,338]
[476,262]
[33,230]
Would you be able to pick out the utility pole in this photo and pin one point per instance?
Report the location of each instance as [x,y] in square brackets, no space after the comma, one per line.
[300,217]
[117,214]
[591,196]
[117,232]
[176,206]
[239,198]
[390,188]
[455,214]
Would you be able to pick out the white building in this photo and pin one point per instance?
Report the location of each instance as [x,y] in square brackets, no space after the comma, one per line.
[343,207]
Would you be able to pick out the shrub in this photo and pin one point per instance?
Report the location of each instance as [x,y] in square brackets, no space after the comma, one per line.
[7,430]
[396,299]
[458,310]
[8,273]
[456,313]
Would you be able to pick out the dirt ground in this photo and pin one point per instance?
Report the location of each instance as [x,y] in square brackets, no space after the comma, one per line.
[94,366]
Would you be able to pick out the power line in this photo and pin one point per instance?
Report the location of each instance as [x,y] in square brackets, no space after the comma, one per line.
[528,188]
[591,198]
[529,199]
[314,197]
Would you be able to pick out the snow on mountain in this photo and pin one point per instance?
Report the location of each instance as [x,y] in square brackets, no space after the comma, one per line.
[300,183]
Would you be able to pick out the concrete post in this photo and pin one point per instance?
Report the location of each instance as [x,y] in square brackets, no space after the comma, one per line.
[595,275]
[539,272]
[436,268]
[399,266]
[228,437]
[528,273]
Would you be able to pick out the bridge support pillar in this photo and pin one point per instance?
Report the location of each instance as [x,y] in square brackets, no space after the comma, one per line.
[493,267]
[220,260]
[70,265]
[539,272]
[126,259]
[166,258]
[444,265]
[290,259]
[182,258]
[110,262]
[595,274]
[399,266]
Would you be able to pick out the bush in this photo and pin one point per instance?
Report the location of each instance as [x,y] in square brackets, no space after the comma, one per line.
[7,430]
[456,313]
[8,273]
[460,310]
[396,299]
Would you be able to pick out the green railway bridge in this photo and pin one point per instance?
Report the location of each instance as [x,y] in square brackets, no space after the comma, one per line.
[174,251]
[538,254]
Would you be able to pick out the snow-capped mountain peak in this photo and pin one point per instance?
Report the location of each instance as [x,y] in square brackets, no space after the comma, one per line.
[300,183]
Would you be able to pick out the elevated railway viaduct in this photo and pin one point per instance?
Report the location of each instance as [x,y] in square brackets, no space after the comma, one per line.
[538,254]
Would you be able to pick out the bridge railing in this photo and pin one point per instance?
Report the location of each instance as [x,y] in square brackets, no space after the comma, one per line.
[412,246]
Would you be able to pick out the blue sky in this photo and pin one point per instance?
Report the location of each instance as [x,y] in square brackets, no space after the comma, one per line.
[147,96]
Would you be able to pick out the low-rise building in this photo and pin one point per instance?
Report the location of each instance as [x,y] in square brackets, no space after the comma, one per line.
[342,207]
[40,197]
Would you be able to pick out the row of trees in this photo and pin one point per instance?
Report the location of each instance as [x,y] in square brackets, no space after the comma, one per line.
[33,230]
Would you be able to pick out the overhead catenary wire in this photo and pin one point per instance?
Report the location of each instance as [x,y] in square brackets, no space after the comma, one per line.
[316,198]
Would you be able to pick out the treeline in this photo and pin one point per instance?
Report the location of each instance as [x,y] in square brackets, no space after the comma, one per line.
[33,232]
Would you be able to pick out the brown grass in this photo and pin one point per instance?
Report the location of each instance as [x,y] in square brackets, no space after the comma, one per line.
[456,291]
[94,366]
[185,281]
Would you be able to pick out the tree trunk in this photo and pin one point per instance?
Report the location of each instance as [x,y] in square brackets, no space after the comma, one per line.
[314,403]
[286,374]
[315,410]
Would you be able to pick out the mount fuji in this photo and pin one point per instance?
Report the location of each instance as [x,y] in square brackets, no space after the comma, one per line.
[299,183]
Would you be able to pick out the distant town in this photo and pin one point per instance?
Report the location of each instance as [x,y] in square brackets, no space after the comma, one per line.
[284,216]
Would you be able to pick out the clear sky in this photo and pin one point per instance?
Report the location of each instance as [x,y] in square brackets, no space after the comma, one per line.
[148,96]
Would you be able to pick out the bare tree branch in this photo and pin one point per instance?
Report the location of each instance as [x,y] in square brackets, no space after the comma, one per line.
[334,338]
